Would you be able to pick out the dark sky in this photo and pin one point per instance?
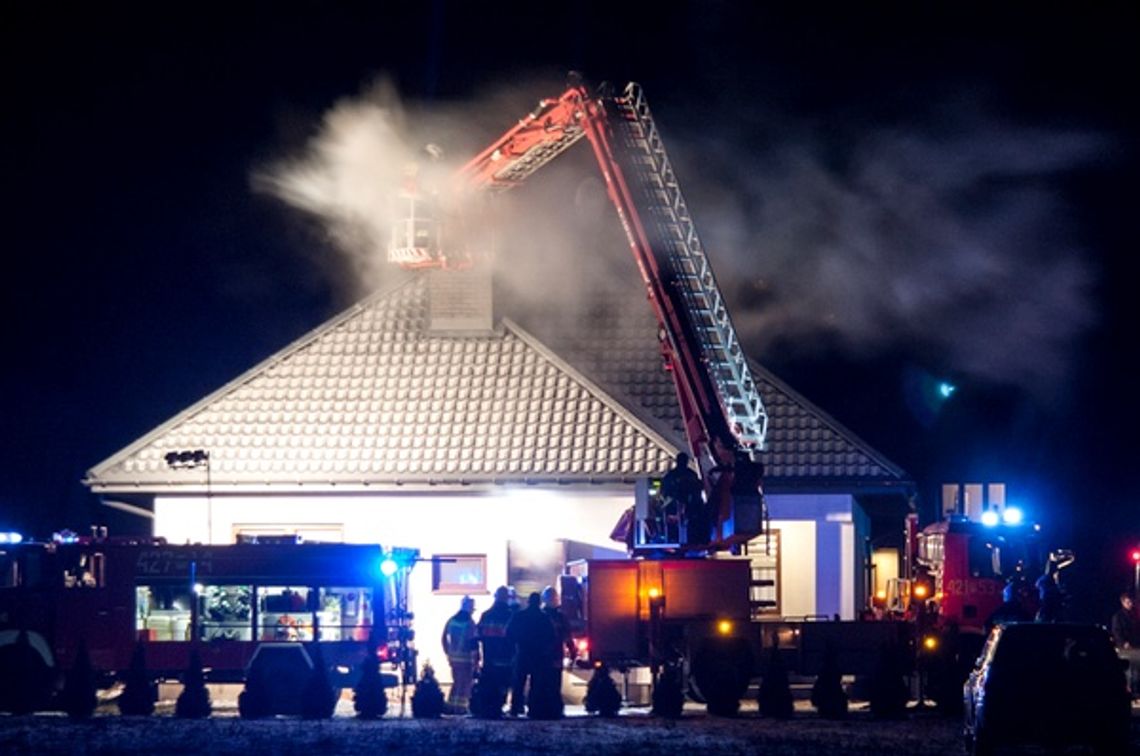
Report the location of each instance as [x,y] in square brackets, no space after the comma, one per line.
[142,271]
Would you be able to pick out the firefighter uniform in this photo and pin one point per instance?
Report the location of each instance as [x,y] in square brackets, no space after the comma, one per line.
[498,651]
[460,643]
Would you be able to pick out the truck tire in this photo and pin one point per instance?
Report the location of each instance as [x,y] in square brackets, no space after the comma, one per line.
[721,670]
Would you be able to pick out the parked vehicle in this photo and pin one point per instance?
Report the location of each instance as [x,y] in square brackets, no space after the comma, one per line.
[1047,684]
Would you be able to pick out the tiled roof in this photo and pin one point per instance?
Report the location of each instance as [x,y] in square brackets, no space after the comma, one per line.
[806,448]
[372,399]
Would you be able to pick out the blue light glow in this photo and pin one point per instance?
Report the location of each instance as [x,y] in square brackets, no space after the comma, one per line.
[388,567]
[946,389]
[11,538]
[1012,516]
[989,518]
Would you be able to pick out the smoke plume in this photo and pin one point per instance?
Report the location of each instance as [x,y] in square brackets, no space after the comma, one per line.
[953,242]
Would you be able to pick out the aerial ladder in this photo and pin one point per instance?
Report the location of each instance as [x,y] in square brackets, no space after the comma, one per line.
[724,418]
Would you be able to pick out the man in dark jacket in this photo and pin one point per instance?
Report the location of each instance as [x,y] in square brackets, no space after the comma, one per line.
[533,636]
[498,655]
[1012,608]
[1125,628]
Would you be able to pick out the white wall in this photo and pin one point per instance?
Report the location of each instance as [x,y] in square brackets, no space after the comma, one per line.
[482,522]
[797,567]
[469,523]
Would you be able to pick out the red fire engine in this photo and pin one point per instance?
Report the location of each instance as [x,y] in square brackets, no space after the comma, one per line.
[223,601]
[645,610]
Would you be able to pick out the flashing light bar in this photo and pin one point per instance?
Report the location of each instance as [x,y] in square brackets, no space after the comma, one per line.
[11,538]
[990,518]
[1012,516]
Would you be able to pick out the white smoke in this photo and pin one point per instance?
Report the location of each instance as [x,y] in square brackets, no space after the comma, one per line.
[952,243]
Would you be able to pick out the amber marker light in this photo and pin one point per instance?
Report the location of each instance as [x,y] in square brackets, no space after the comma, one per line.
[724,627]
[920,591]
[654,593]
[930,643]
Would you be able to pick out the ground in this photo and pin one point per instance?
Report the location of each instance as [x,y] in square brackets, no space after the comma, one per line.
[633,733]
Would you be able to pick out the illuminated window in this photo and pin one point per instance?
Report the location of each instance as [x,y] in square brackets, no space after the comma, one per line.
[459,573]
[163,612]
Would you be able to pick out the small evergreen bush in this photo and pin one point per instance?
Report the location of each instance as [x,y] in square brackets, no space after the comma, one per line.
[319,698]
[194,700]
[668,696]
[889,692]
[78,696]
[827,694]
[369,697]
[427,701]
[140,691]
[775,696]
[602,696]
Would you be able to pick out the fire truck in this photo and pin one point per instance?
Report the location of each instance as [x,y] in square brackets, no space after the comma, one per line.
[685,595]
[680,595]
[223,601]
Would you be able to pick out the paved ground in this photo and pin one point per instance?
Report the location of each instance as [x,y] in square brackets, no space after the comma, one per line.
[635,732]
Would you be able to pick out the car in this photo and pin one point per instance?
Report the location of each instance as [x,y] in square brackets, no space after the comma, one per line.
[1047,684]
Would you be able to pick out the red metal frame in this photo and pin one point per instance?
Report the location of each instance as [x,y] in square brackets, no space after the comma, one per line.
[540,136]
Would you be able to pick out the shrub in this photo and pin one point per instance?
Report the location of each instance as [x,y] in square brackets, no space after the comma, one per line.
[30,680]
[722,668]
[602,696]
[889,693]
[827,695]
[427,701]
[78,696]
[194,700]
[319,698]
[668,696]
[140,692]
[775,696]
[369,697]
[253,701]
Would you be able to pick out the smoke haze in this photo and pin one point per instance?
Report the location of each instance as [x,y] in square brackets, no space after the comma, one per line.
[953,242]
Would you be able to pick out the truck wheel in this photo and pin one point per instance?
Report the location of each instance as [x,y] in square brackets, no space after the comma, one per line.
[721,671]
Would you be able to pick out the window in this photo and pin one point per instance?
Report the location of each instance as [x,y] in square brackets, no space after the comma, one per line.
[459,573]
[163,612]
[226,612]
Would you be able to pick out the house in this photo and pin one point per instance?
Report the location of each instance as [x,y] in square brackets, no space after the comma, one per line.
[406,421]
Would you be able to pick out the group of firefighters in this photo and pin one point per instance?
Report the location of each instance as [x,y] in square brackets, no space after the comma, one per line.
[510,648]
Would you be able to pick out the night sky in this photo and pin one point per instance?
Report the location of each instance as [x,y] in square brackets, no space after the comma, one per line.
[892,197]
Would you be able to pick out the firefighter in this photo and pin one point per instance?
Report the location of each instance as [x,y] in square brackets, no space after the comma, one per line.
[460,643]
[681,489]
[1050,601]
[1012,608]
[532,634]
[498,654]
[1125,627]
[561,625]
[563,646]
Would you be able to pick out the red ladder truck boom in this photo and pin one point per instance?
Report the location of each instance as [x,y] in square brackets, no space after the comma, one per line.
[724,417]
